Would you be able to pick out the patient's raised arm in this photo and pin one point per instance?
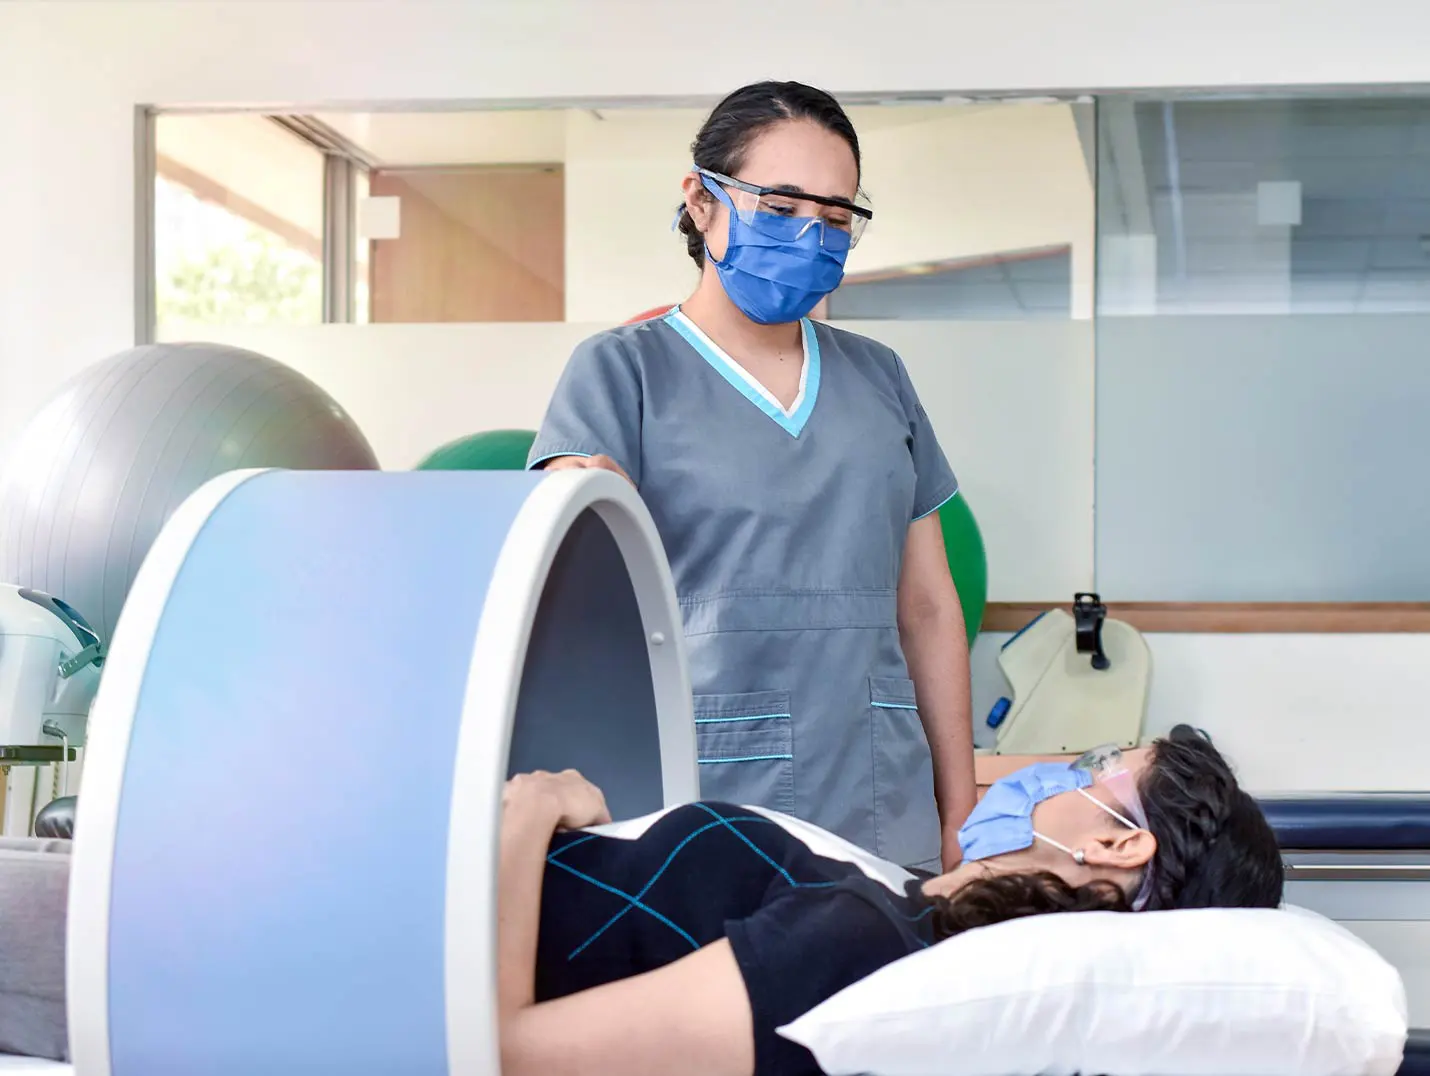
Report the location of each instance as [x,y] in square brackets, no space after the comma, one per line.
[534,806]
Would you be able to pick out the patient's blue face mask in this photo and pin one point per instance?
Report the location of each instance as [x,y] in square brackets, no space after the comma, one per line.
[776,268]
[1002,821]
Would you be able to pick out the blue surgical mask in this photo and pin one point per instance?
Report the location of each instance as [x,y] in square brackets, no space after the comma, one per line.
[776,269]
[1003,819]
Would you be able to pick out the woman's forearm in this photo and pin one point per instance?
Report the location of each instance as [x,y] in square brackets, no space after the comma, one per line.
[936,648]
[528,821]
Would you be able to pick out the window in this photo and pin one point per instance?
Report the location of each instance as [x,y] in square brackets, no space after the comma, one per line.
[983,212]
[460,216]
[238,223]
[362,252]
[483,243]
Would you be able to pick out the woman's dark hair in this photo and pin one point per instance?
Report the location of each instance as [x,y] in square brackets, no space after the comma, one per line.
[1215,849]
[1000,897]
[738,120]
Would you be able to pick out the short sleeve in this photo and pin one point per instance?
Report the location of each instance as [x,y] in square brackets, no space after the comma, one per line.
[935,482]
[596,408]
[789,965]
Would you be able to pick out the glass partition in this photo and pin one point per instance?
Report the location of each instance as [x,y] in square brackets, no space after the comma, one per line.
[484,244]
[1208,312]
[1263,306]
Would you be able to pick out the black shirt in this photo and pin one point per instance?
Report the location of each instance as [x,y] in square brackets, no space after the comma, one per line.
[802,927]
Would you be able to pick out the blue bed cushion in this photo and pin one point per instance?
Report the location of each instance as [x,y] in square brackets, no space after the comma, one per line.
[1417,1054]
[1353,822]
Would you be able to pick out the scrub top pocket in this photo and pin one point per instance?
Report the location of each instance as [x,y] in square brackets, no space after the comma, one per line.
[906,829]
[746,749]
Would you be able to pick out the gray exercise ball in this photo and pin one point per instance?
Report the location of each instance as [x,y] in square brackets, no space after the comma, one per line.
[94,476]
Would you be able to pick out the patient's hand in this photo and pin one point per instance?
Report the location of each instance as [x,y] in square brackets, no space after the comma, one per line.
[573,801]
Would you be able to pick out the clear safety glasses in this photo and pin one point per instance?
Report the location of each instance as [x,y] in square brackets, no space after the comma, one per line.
[761,207]
[1106,767]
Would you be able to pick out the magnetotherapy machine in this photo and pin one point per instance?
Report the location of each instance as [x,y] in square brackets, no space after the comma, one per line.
[296,758]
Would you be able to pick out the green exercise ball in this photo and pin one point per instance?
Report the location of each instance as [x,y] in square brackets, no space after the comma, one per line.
[494,450]
[966,560]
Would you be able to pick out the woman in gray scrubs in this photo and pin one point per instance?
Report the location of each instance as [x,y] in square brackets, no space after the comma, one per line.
[795,481]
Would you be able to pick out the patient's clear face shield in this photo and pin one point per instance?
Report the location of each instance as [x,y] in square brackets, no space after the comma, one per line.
[788,214]
[1109,769]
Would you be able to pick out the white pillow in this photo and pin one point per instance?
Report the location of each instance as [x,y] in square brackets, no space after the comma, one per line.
[1214,992]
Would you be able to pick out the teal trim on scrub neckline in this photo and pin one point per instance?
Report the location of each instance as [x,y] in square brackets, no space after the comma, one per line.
[792,424]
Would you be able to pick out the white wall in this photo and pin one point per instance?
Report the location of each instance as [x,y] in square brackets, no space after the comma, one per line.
[411,388]
[1326,713]
[71,75]
[622,188]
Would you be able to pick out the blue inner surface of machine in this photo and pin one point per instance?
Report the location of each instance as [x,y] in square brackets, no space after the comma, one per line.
[587,701]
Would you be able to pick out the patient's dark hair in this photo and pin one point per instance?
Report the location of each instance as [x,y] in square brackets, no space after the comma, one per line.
[1000,897]
[1215,849]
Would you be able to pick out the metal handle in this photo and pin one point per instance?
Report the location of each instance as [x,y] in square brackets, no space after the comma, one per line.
[1359,867]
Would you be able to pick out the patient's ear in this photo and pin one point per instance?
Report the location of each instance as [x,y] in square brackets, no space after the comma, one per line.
[1126,849]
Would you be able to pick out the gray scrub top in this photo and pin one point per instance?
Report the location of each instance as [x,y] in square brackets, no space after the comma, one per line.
[785,532]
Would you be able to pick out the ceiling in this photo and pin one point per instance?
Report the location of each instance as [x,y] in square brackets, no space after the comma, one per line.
[1363,241]
[1012,289]
[413,139]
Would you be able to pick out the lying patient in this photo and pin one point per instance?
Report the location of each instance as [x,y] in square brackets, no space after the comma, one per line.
[683,950]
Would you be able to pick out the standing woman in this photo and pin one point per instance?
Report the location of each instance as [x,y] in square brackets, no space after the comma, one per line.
[795,481]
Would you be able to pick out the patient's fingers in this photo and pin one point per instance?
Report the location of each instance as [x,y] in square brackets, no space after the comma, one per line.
[579,802]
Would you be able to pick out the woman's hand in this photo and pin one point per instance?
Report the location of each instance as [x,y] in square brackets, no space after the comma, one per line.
[534,806]
[573,801]
[586,463]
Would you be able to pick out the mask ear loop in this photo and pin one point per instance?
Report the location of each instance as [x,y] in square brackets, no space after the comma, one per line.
[1144,890]
[1115,814]
[1079,857]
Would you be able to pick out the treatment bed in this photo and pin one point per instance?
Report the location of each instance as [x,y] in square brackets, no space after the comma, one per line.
[1363,859]
[384,649]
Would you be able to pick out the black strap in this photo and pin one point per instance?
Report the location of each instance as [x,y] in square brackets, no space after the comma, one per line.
[1088,615]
